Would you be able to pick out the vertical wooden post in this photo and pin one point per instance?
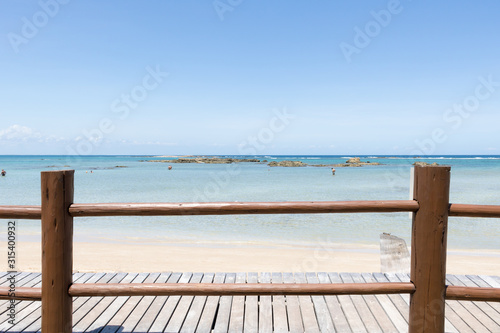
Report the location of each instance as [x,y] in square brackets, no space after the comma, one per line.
[428,249]
[57,251]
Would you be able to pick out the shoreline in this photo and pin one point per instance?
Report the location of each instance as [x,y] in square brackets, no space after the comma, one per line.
[193,257]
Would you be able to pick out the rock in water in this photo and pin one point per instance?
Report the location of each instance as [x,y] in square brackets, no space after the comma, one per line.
[287,164]
[355,160]
[394,254]
[424,163]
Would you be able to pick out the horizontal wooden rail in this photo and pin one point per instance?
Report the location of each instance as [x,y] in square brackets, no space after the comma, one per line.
[221,289]
[21,293]
[207,289]
[474,210]
[459,293]
[21,212]
[240,208]
[150,209]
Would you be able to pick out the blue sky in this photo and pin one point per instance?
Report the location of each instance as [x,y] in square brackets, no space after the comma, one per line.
[242,76]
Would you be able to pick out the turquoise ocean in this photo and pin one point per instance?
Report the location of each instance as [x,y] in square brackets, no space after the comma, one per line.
[101,179]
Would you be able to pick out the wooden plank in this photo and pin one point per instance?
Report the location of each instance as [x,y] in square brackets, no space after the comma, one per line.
[449,326]
[119,319]
[85,315]
[57,250]
[486,314]
[428,248]
[154,309]
[4,282]
[397,300]
[492,281]
[113,305]
[325,322]
[362,308]
[237,316]
[280,320]
[336,313]
[348,307]
[210,310]
[394,315]
[94,278]
[265,308]
[382,318]
[30,280]
[24,312]
[393,277]
[22,279]
[223,315]
[482,283]
[461,309]
[293,307]
[497,278]
[179,315]
[141,308]
[251,322]
[33,322]
[451,318]
[307,308]
[169,306]
[80,304]
[196,309]
[106,308]
[482,312]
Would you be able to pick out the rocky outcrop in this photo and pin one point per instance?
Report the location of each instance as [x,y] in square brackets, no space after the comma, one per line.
[355,162]
[287,164]
[424,163]
[208,160]
[321,165]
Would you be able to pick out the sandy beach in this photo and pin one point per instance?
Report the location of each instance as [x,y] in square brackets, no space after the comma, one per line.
[120,257]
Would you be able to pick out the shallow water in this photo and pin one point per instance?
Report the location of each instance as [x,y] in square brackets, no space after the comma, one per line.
[474,179]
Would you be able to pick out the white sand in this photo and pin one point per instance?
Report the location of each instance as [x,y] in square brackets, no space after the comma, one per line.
[107,257]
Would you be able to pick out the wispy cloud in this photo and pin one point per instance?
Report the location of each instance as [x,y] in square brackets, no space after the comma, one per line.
[18,133]
[23,134]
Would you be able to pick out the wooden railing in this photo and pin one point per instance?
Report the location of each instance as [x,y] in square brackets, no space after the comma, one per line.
[430,207]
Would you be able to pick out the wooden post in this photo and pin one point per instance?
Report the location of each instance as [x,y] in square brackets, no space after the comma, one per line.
[57,251]
[428,249]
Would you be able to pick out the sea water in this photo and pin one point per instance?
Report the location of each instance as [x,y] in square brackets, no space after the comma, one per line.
[102,179]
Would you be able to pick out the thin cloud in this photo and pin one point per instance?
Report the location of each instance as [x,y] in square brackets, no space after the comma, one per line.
[23,134]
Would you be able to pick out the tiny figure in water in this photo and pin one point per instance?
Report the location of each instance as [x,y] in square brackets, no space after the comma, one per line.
[4,172]
[333,171]
[169,167]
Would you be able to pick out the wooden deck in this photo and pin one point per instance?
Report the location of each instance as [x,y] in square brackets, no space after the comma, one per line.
[380,313]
